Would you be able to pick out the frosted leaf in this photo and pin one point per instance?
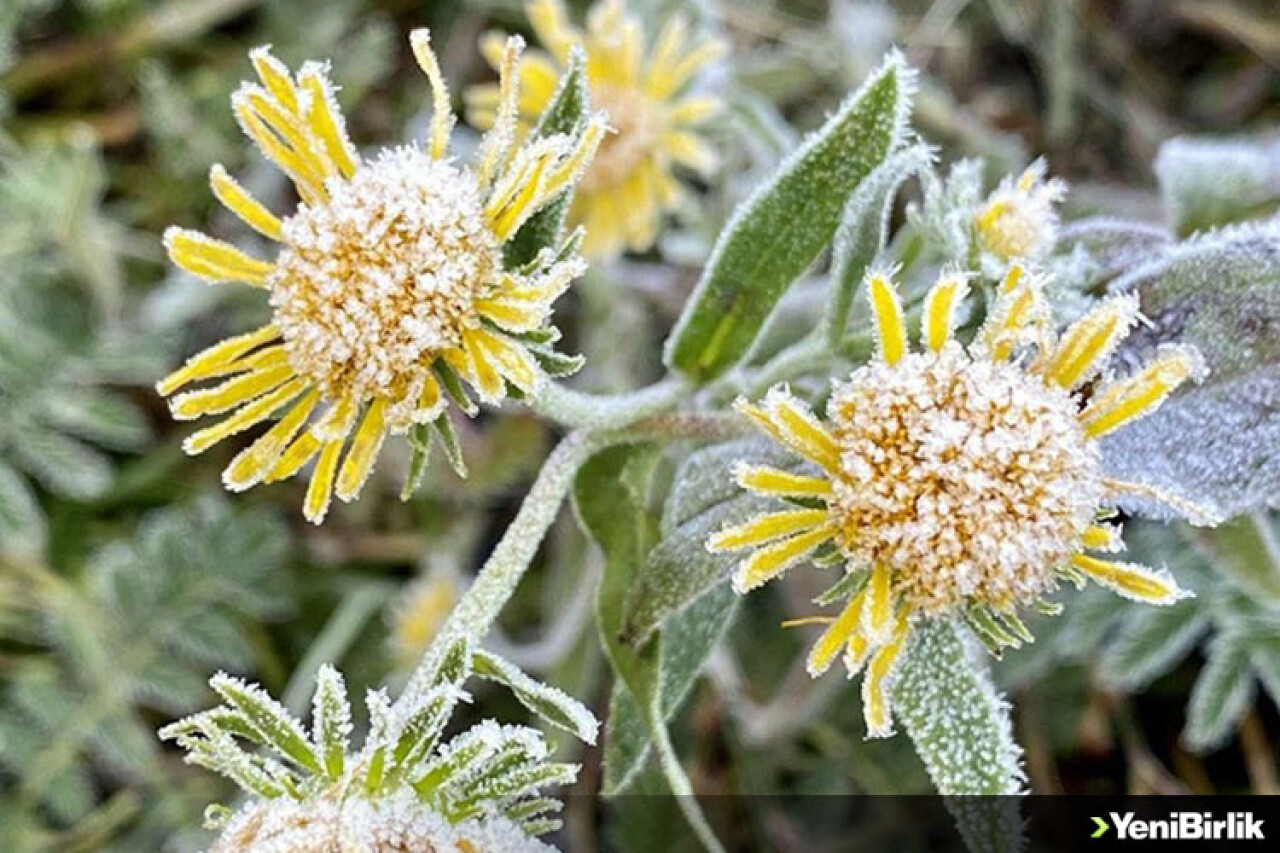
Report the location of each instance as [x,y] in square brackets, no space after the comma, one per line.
[1205,182]
[22,525]
[272,721]
[553,705]
[959,725]
[1221,696]
[1219,442]
[331,718]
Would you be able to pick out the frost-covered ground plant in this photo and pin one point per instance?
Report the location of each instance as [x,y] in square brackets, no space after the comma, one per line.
[916,379]
[956,483]
[408,787]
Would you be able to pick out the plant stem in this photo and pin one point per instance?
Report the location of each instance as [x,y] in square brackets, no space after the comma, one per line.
[501,573]
[682,789]
[577,410]
[333,641]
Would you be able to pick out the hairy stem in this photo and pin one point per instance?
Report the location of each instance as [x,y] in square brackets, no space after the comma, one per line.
[577,410]
[682,789]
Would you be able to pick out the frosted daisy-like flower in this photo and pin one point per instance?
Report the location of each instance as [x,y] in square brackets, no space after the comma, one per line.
[1019,220]
[388,285]
[407,789]
[640,87]
[957,481]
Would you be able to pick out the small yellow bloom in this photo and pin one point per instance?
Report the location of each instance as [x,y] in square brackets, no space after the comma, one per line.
[630,185]
[1019,220]
[420,612]
[955,480]
[387,286]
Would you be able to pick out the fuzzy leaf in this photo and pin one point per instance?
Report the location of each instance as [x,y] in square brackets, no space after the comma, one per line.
[1218,442]
[1247,550]
[552,705]
[864,229]
[92,414]
[1221,695]
[779,231]
[62,464]
[959,725]
[704,498]
[331,719]
[273,722]
[22,525]
[1151,642]
[1205,182]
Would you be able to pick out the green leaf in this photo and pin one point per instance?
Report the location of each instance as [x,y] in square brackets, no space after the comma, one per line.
[1210,182]
[22,525]
[273,722]
[103,418]
[552,705]
[959,725]
[704,498]
[62,464]
[1218,442]
[1221,695]
[654,676]
[1151,642]
[778,232]
[331,719]
[1246,550]
[565,113]
[864,230]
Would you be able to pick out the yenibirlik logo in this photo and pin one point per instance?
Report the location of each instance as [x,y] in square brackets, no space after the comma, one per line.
[1182,826]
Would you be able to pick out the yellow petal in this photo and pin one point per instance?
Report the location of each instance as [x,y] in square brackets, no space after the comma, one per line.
[275,76]
[512,315]
[690,151]
[307,178]
[891,330]
[1102,537]
[252,464]
[237,199]
[791,423]
[766,480]
[214,260]
[665,80]
[837,635]
[212,361]
[229,394]
[496,145]
[772,560]
[325,120]
[877,616]
[694,109]
[296,455]
[766,528]
[511,359]
[940,309]
[1130,580]
[875,699]
[320,489]
[1142,394]
[550,25]
[251,415]
[1090,341]
[1193,512]
[1017,309]
[364,450]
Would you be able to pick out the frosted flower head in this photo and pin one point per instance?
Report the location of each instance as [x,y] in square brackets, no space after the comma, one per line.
[407,789]
[956,481]
[1019,220]
[421,611]
[641,87]
[389,290]
[399,823]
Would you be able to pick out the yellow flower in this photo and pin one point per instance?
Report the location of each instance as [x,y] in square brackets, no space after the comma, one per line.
[1019,220]
[418,615]
[630,185]
[957,480]
[388,284]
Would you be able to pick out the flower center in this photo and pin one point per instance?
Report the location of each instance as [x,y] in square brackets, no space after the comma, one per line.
[637,123]
[372,285]
[970,479]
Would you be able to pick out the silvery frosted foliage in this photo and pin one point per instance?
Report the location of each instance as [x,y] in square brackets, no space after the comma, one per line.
[61,407]
[407,787]
[127,637]
[1218,443]
[1207,181]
